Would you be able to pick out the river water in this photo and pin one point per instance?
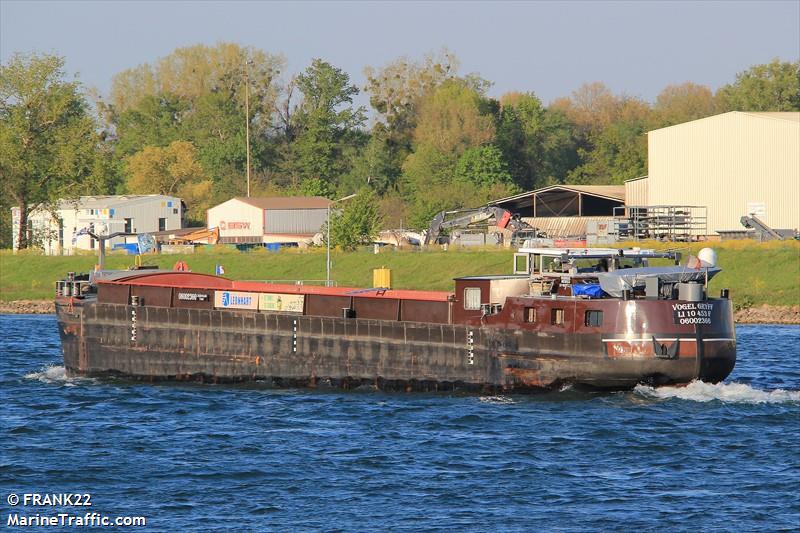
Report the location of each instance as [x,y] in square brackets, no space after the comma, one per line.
[223,458]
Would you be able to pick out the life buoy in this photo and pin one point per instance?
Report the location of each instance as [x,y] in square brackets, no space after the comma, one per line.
[181,266]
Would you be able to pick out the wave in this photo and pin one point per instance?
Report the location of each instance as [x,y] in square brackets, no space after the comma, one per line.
[496,399]
[55,374]
[699,391]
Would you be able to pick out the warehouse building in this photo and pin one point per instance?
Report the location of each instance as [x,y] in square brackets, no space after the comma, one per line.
[288,219]
[567,211]
[62,230]
[722,168]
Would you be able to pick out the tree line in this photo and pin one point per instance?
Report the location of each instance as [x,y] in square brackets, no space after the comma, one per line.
[434,139]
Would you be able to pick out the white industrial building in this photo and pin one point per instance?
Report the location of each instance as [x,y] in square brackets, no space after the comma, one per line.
[57,231]
[724,167]
[287,219]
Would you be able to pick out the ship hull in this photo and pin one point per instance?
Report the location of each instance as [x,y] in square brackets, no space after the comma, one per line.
[176,344]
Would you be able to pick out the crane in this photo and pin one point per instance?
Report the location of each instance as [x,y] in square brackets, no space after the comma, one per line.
[504,219]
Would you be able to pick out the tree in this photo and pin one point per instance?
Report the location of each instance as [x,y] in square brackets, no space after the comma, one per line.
[325,119]
[537,142]
[591,107]
[609,134]
[397,88]
[358,222]
[451,119]
[155,121]
[197,94]
[425,167]
[192,72]
[396,91]
[676,104]
[482,166]
[315,187]
[48,140]
[617,152]
[773,86]
[173,170]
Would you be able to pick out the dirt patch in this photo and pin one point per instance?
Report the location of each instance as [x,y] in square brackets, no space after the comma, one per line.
[768,314]
[28,307]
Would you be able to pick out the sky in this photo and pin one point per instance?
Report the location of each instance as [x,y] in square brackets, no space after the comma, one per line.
[550,48]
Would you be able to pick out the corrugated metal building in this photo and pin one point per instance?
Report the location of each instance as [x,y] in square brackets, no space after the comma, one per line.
[734,164]
[55,230]
[269,220]
[636,191]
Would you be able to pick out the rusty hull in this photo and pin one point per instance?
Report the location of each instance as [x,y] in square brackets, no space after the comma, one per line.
[495,353]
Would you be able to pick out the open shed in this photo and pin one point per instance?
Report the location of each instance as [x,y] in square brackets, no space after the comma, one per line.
[566,201]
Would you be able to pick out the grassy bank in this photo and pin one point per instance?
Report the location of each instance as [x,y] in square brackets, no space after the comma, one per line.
[756,273]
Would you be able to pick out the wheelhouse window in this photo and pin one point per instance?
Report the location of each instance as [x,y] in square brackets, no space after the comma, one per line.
[521,265]
[556,317]
[593,319]
[472,298]
[530,314]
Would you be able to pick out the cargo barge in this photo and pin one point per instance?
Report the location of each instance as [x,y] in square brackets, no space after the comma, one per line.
[589,317]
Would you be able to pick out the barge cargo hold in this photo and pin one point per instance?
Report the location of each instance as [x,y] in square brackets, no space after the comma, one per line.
[552,323]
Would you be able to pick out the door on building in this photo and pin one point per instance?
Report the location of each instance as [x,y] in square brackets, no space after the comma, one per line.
[162,224]
[128,225]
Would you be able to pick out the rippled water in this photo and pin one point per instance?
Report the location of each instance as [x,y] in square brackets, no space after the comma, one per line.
[202,457]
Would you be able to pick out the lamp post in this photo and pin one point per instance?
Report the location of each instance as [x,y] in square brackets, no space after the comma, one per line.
[247,117]
[328,239]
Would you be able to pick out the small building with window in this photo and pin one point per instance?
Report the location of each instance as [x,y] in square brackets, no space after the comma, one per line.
[61,229]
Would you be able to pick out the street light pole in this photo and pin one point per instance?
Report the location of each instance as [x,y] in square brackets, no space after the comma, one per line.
[328,245]
[328,239]
[247,117]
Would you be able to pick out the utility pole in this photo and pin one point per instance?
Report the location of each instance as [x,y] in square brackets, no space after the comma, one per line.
[247,117]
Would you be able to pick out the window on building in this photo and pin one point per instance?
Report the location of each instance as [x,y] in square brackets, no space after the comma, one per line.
[472,298]
[530,314]
[556,317]
[162,224]
[175,211]
[594,319]
[128,225]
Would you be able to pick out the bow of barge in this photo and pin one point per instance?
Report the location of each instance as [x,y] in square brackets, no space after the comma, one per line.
[564,317]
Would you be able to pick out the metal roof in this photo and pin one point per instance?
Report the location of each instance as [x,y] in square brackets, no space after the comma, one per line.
[105,202]
[609,192]
[783,115]
[791,116]
[287,202]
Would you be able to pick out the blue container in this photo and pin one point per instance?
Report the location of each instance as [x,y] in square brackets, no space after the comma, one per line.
[131,248]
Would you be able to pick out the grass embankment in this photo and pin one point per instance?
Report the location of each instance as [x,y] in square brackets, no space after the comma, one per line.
[756,273]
